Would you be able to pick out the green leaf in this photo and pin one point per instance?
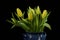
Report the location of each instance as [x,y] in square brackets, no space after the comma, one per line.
[17,16]
[13,16]
[14,21]
[37,22]
[13,26]
[47,25]
[24,26]
[23,14]
[10,21]
[25,21]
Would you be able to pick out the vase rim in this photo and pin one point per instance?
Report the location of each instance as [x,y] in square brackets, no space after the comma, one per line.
[35,32]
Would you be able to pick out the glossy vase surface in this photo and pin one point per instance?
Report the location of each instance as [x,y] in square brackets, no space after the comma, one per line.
[34,36]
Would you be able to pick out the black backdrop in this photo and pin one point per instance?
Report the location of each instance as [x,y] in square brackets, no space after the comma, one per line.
[8,6]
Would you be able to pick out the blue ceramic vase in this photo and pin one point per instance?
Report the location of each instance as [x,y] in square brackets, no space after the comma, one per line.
[34,36]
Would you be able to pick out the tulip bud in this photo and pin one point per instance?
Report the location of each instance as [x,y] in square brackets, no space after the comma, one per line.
[38,11]
[32,10]
[44,14]
[30,16]
[19,12]
[30,13]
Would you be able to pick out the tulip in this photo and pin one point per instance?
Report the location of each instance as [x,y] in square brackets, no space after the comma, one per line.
[30,13]
[38,10]
[32,10]
[44,14]
[19,12]
[30,16]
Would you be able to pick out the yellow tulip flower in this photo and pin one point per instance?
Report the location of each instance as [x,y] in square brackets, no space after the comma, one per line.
[38,11]
[32,10]
[44,14]
[30,13]
[19,12]
[30,16]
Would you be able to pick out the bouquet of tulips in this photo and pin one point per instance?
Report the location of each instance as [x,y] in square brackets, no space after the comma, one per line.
[36,20]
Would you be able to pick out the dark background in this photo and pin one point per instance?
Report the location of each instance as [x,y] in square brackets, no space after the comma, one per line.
[8,6]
